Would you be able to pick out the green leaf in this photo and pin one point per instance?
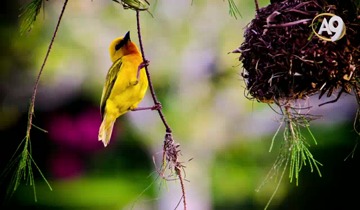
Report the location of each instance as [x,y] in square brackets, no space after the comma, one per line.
[29,14]
[23,170]
[294,150]
[233,10]
[134,4]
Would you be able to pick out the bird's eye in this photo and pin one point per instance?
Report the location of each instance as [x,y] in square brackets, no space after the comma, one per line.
[119,45]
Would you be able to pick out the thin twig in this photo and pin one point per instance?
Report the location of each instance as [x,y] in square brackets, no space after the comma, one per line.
[32,102]
[293,23]
[170,151]
[24,170]
[256,6]
[178,172]
[151,87]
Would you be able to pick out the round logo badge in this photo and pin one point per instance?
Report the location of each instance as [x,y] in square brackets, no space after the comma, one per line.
[332,27]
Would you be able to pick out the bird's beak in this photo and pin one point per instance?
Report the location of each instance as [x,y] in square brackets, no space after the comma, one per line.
[127,37]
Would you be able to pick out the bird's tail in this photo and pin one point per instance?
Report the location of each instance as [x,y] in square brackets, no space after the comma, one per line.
[106,129]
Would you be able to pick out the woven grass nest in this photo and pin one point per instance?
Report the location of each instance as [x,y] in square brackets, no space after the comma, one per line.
[284,60]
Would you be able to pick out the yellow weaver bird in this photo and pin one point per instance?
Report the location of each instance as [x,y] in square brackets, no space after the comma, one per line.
[125,86]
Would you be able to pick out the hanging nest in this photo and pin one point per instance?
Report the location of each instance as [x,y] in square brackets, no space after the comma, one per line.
[284,60]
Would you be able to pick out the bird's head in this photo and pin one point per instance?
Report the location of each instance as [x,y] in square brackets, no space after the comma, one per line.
[122,46]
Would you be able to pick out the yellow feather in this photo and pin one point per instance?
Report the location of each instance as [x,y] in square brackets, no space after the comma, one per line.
[123,90]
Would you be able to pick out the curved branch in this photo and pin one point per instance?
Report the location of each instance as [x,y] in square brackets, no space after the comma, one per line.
[151,87]
[170,149]
[33,97]
[24,170]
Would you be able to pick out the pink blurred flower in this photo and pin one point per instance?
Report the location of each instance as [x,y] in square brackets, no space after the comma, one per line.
[65,165]
[76,138]
[78,132]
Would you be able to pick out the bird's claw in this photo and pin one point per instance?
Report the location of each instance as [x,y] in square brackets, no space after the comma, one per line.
[134,82]
[144,64]
[157,106]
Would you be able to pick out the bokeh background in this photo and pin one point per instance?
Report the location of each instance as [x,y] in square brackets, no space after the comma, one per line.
[224,137]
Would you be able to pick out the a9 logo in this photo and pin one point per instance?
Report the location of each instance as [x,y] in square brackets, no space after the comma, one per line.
[334,28]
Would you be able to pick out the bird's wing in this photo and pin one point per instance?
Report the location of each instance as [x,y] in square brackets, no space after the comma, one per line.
[109,84]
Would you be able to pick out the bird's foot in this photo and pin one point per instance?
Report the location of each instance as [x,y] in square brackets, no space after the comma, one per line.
[157,106]
[142,65]
[134,82]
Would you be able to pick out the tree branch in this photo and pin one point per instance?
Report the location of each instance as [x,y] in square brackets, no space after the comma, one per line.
[24,168]
[170,149]
[151,87]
